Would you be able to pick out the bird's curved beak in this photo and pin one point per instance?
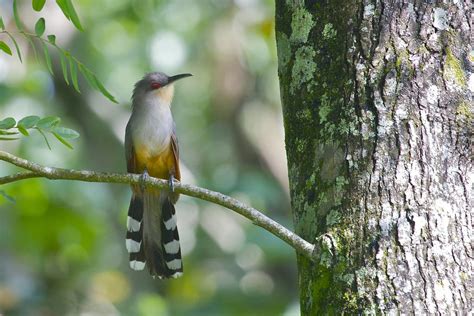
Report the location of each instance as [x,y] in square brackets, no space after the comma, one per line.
[174,78]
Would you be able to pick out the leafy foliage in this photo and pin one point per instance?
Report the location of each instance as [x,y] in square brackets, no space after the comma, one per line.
[67,59]
[38,4]
[5,48]
[40,26]
[16,46]
[69,67]
[70,13]
[16,16]
[48,124]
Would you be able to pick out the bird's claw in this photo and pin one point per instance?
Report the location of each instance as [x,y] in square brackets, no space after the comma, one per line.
[143,178]
[171,183]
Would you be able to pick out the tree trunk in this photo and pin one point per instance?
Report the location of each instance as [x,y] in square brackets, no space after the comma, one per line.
[379,122]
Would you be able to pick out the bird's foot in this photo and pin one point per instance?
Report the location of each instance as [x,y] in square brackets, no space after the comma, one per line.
[143,179]
[171,183]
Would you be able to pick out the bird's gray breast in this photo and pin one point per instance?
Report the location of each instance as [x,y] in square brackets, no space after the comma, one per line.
[151,127]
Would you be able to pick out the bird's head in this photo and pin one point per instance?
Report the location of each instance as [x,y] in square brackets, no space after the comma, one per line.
[157,84]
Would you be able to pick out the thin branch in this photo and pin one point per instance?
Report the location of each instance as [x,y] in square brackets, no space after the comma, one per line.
[35,170]
[19,176]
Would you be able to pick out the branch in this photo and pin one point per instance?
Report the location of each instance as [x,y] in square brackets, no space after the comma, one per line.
[19,176]
[38,171]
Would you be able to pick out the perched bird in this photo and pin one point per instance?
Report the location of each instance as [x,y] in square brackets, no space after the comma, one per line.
[151,149]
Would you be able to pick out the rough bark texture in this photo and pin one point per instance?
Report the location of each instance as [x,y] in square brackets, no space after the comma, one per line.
[377,101]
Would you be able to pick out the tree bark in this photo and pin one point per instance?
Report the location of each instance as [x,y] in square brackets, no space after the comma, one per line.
[379,121]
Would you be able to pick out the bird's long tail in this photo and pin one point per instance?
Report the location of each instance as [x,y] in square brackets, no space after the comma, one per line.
[152,234]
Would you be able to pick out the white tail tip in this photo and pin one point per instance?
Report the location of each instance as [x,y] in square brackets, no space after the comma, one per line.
[137,265]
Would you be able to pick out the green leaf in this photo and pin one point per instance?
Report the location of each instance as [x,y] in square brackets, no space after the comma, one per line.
[16,46]
[28,121]
[62,5]
[73,70]
[22,130]
[4,132]
[40,26]
[47,58]
[2,25]
[73,15]
[95,83]
[104,91]
[5,48]
[63,60]
[48,122]
[52,39]
[6,138]
[7,123]
[62,140]
[38,4]
[89,76]
[66,133]
[44,136]
[32,45]
[69,12]
[16,16]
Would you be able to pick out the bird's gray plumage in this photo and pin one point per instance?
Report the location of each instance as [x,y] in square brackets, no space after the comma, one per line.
[152,235]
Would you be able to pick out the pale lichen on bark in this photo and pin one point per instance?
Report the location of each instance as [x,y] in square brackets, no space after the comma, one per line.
[381,160]
[426,194]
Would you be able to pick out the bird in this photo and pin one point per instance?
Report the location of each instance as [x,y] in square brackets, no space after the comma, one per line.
[151,150]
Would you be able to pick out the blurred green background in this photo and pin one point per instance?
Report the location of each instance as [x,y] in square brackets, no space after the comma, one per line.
[62,248]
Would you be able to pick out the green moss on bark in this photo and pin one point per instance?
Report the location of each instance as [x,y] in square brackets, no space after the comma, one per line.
[301,24]
[453,71]
[315,83]
[465,113]
[329,32]
[304,68]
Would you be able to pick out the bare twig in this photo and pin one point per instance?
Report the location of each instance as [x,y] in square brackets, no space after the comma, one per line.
[35,170]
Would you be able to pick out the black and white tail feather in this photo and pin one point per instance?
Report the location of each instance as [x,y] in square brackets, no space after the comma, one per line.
[152,235]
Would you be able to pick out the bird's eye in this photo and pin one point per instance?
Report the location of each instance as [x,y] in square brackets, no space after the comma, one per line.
[155,85]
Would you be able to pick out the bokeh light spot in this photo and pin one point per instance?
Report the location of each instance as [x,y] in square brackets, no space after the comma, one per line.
[167,51]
